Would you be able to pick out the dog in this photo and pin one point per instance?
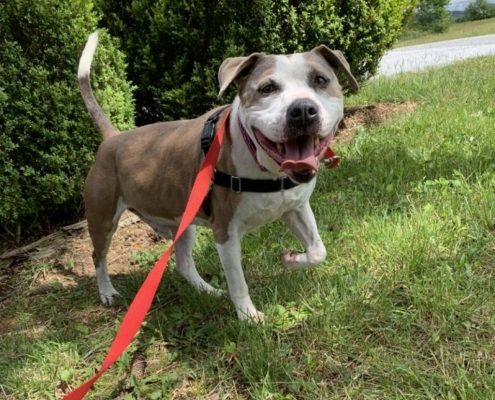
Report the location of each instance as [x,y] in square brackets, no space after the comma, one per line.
[286,111]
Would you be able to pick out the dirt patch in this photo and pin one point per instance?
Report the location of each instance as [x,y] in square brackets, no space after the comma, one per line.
[67,252]
[368,115]
[75,255]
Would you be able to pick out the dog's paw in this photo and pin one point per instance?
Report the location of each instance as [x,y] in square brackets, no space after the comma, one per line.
[255,317]
[219,293]
[246,311]
[295,260]
[251,315]
[214,291]
[108,297]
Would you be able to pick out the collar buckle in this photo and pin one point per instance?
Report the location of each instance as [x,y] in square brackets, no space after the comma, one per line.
[235,184]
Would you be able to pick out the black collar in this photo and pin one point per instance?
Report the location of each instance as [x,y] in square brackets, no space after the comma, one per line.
[236,183]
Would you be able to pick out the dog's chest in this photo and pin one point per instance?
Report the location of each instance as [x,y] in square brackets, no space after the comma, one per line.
[257,209]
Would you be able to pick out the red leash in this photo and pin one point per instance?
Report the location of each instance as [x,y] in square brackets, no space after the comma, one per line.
[141,304]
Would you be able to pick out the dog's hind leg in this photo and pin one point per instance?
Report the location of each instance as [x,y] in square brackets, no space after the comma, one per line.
[185,263]
[303,224]
[102,223]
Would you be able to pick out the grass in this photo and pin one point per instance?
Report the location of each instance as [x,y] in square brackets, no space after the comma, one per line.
[404,306]
[456,31]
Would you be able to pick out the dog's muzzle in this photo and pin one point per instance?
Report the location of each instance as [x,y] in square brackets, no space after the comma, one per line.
[302,118]
[302,127]
[299,153]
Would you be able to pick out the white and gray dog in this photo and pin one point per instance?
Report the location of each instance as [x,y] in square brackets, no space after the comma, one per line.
[287,110]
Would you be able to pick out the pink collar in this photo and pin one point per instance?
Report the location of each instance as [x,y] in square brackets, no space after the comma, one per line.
[249,143]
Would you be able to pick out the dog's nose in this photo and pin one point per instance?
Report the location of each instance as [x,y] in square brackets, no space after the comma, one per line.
[302,113]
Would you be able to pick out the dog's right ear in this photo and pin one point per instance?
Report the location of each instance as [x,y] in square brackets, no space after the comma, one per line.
[235,69]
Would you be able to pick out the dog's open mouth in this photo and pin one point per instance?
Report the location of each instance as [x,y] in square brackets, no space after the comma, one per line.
[298,157]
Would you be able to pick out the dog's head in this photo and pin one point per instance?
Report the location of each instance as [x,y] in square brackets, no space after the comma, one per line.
[290,105]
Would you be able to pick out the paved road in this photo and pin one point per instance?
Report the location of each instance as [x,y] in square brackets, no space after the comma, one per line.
[415,58]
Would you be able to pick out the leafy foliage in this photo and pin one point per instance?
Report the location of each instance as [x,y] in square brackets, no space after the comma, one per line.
[47,140]
[479,9]
[433,15]
[175,46]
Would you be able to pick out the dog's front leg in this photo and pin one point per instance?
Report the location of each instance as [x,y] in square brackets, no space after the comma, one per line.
[303,224]
[230,257]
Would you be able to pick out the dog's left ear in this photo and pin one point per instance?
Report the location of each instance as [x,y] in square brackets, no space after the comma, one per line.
[337,60]
[235,69]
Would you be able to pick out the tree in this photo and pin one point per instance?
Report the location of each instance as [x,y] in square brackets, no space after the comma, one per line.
[479,9]
[433,15]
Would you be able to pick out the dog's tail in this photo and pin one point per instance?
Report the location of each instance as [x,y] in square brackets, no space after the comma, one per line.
[103,124]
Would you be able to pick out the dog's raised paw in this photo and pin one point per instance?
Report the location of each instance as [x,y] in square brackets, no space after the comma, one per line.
[292,259]
[295,260]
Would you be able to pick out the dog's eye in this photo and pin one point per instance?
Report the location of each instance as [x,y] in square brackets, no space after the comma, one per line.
[321,81]
[268,88]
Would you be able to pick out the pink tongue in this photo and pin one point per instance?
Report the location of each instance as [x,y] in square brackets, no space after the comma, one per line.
[309,163]
[299,156]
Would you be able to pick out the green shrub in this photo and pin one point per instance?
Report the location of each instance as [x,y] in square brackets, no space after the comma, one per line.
[175,47]
[432,15]
[479,9]
[47,140]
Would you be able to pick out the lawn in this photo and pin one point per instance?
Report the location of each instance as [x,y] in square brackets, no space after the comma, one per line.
[456,31]
[404,306]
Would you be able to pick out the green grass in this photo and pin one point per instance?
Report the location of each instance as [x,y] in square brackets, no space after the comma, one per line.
[403,308]
[456,31]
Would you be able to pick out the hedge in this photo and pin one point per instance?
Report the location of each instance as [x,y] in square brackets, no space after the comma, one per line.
[175,47]
[47,140]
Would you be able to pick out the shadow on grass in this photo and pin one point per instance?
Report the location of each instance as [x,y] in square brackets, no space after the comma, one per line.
[182,318]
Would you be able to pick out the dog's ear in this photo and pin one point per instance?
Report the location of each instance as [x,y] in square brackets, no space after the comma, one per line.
[235,69]
[337,60]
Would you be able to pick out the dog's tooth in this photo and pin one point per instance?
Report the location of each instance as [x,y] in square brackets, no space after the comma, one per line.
[280,148]
[317,142]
